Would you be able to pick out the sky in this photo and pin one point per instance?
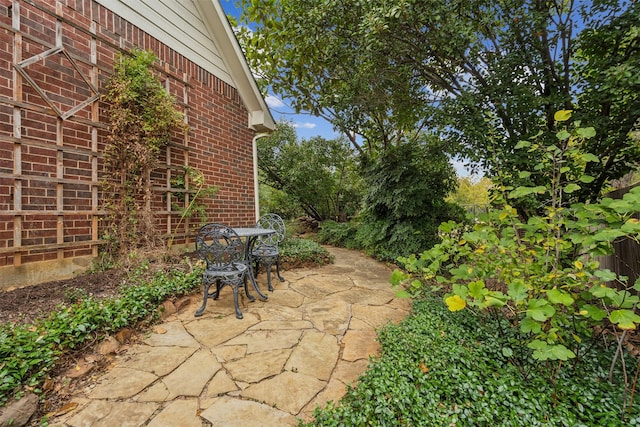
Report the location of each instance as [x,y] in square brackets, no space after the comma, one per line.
[306,125]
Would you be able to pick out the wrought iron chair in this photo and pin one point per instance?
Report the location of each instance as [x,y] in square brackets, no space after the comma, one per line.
[223,252]
[265,250]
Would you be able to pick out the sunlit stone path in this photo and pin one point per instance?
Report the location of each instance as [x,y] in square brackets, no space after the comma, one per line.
[289,354]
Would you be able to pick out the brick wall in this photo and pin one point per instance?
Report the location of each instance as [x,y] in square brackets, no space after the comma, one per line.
[50,166]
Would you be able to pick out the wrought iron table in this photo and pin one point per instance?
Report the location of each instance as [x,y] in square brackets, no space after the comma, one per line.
[251,234]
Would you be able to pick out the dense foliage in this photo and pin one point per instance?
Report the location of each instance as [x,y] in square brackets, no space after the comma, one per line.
[317,175]
[482,74]
[541,274]
[439,368]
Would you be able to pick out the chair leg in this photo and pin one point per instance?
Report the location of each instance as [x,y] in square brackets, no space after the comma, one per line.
[246,289]
[278,270]
[268,267]
[235,301]
[204,300]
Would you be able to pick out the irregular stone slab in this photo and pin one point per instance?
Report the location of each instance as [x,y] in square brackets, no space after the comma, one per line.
[376,316]
[316,355]
[333,392]
[264,340]
[349,372]
[120,383]
[288,391]
[274,312]
[360,345]
[287,298]
[18,413]
[191,377]
[321,286]
[282,325]
[102,413]
[227,353]
[329,316]
[257,366]
[156,360]
[220,384]
[212,332]
[182,413]
[364,296]
[156,393]
[175,335]
[229,412]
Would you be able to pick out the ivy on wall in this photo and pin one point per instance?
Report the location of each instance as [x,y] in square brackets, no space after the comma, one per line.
[142,116]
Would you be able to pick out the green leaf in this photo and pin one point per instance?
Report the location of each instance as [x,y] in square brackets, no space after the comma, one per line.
[544,351]
[557,296]
[403,294]
[588,157]
[524,174]
[625,319]
[476,289]
[632,226]
[518,291]
[570,188]
[593,312]
[522,144]
[586,133]
[607,235]
[586,179]
[563,135]
[540,310]
[603,291]
[528,325]
[525,191]
[397,276]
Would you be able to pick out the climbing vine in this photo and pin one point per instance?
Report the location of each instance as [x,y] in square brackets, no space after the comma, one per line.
[142,116]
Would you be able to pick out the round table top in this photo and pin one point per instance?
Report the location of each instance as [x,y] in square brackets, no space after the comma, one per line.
[253,231]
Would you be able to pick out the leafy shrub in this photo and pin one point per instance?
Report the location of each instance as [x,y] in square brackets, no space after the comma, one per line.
[295,252]
[405,199]
[341,234]
[439,368]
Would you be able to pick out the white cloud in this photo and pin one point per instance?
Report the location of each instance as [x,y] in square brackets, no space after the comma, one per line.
[273,102]
[304,125]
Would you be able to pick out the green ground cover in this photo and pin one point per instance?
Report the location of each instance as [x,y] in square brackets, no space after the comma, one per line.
[439,368]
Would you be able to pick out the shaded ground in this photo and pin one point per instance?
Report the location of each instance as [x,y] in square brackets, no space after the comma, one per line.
[23,305]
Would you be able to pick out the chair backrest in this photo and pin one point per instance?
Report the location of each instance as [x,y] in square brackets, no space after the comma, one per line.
[274,222]
[219,246]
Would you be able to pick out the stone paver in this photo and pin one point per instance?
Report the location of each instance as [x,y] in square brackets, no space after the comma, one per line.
[294,352]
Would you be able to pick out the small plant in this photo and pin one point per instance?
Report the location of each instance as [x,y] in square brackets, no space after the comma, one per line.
[194,183]
[296,252]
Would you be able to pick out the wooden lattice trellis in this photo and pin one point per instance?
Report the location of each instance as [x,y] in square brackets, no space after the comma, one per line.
[54,194]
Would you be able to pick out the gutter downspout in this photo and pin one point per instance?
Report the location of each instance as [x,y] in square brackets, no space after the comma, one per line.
[256,186]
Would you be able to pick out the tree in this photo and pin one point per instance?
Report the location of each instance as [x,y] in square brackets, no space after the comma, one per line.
[404,202]
[480,73]
[319,174]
